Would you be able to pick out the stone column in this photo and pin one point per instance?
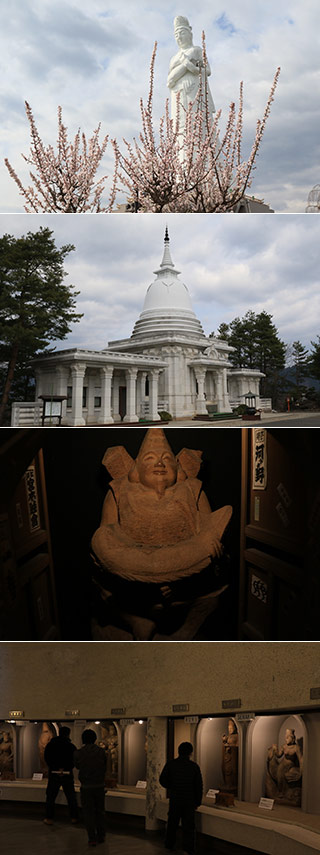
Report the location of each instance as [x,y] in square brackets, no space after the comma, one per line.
[131,378]
[115,400]
[220,391]
[105,416]
[62,383]
[39,383]
[201,408]
[153,395]
[225,394]
[141,393]
[77,373]
[156,758]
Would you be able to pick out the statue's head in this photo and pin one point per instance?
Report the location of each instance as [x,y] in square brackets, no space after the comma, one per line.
[231,726]
[290,736]
[182,31]
[156,465]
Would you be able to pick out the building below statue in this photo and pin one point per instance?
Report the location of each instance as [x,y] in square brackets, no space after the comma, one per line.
[168,365]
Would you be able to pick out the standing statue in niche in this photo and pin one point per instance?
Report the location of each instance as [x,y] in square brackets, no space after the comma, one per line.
[184,73]
[284,770]
[110,744]
[230,742]
[6,754]
[157,535]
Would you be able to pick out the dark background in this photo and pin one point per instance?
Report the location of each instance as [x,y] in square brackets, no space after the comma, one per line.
[77,484]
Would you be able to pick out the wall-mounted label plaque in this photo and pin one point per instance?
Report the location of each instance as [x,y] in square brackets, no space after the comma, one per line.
[16,713]
[191,719]
[180,707]
[126,721]
[315,693]
[245,716]
[231,704]
[72,713]
[118,711]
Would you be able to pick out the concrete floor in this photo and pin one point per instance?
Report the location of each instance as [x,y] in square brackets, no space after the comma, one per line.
[32,837]
[29,836]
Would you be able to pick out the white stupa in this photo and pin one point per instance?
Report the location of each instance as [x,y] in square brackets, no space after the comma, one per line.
[168,364]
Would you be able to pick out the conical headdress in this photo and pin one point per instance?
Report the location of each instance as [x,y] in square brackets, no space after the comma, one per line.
[181,23]
[154,440]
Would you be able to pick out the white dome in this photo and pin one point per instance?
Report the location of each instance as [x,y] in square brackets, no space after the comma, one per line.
[167,306]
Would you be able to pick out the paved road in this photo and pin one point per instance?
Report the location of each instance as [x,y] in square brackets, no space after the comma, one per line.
[312,420]
[267,420]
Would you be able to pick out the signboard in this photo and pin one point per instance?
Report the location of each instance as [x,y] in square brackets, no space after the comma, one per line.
[211,794]
[37,776]
[259,459]
[191,719]
[180,707]
[141,785]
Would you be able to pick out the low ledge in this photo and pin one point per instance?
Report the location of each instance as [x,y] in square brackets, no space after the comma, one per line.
[245,824]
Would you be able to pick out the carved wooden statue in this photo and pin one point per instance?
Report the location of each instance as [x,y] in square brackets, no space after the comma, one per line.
[284,771]
[230,742]
[157,527]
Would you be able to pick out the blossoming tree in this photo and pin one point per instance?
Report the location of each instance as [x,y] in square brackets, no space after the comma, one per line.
[197,169]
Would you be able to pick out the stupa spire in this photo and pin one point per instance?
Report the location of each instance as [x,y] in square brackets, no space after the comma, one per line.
[166,260]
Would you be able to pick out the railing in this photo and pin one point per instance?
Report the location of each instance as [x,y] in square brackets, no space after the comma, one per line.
[26,414]
[265,404]
[144,406]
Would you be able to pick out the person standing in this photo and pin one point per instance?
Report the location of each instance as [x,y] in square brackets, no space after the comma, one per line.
[92,763]
[182,777]
[58,756]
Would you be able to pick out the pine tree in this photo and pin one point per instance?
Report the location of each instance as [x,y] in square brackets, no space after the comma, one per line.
[256,345]
[300,361]
[36,306]
[314,363]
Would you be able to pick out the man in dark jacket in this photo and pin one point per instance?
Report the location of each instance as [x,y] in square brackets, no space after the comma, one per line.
[59,759]
[182,777]
[92,762]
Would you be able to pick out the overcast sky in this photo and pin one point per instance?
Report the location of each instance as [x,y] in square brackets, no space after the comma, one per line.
[92,58]
[229,264]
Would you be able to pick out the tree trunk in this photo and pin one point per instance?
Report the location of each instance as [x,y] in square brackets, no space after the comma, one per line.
[9,379]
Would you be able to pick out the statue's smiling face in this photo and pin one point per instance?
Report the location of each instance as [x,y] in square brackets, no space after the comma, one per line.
[157,469]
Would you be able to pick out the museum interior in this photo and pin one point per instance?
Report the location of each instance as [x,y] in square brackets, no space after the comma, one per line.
[257,741]
[264,584]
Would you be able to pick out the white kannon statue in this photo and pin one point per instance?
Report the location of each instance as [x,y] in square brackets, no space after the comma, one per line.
[184,71]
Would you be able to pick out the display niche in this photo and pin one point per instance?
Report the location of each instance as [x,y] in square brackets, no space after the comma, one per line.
[274,760]
[7,751]
[109,738]
[32,739]
[217,752]
[135,753]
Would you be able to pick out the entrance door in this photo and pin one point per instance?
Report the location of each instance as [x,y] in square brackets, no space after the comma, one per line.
[122,401]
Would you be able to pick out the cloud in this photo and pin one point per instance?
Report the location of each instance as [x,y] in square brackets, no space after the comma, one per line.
[229,264]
